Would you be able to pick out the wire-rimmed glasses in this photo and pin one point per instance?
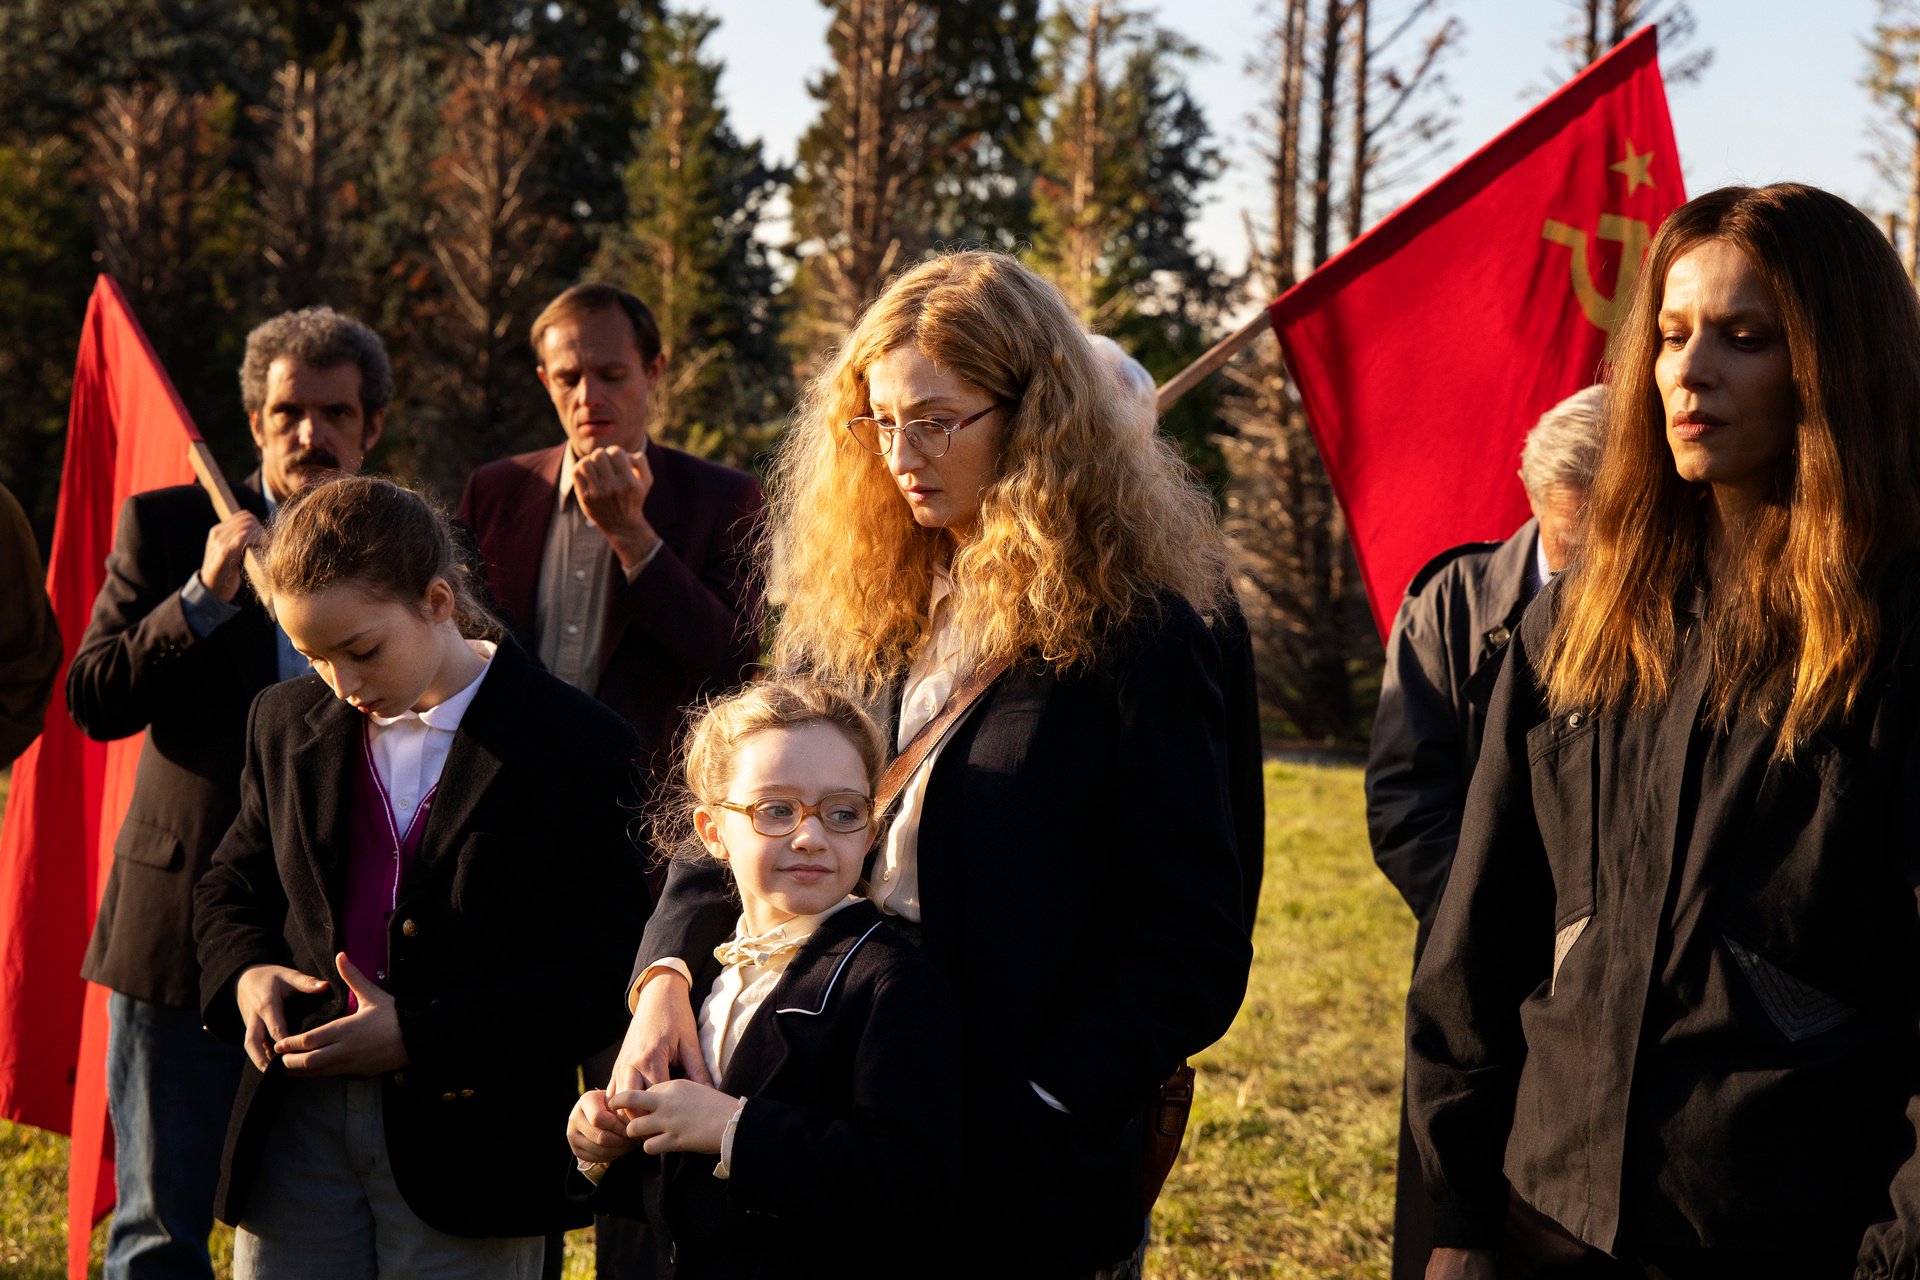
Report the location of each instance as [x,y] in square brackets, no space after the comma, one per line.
[928,436]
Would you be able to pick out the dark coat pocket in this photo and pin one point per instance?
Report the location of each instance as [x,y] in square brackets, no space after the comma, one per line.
[1562,757]
[149,845]
[1797,1008]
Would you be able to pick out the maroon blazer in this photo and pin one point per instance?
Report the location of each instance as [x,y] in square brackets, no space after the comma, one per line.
[688,626]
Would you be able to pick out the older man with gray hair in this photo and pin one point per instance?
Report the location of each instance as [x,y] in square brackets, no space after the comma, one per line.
[177,647]
[1442,657]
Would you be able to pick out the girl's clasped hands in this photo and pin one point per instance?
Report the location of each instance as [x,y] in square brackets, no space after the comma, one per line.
[674,1115]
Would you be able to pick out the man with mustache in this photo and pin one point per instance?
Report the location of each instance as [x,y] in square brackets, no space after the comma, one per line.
[177,647]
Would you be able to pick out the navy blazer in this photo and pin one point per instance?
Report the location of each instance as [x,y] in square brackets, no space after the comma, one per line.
[847,1156]
[1082,882]
[500,987]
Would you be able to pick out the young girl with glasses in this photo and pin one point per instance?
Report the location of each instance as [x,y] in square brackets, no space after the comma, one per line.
[834,1042]
[388,926]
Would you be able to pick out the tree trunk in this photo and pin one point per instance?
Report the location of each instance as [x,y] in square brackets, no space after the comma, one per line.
[1286,229]
[1357,184]
[1327,70]
[1911,258]
[1082,249]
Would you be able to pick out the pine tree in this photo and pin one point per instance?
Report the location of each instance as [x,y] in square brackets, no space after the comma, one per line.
[45,274]
[1123,152]
[1348,104]
[989,56]
[171,225]
[1892,82]
[695,197]
[493,236]
[923,116]
[863,195]
[307,191]
[58,56]
[1595,26]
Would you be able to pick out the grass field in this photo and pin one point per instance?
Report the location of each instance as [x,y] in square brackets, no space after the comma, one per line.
[1288,1165]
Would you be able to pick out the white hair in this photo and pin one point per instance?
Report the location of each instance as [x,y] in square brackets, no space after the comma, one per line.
[1139,399]
[1564,446]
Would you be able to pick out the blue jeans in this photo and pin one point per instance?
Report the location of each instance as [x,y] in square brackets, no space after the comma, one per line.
[170,1089]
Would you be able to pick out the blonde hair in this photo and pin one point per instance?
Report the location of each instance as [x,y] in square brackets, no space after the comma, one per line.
[711,747]
[1796,626]
[1078,532]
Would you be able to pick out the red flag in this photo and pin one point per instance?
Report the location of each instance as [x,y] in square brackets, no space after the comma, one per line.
[1425,351]
[126,432]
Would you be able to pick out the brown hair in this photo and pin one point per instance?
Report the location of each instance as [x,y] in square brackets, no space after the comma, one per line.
[376,535]
[713,743]
[1795,626]
[591,298]
[1081,530]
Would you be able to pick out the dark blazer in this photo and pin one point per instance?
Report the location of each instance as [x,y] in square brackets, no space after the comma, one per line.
[846,1158]
[689,625]
[501,980]
[1081,884]
[1671,987]
[1443,655]
[139,666]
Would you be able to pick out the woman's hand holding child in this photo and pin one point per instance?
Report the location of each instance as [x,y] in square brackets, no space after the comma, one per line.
[662,1035]
[677,1115]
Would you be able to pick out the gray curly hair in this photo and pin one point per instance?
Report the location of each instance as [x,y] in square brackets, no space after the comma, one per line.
[1564,446]
[321,338]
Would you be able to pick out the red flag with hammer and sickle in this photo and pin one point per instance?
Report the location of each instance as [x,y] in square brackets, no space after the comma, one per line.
[1426,350]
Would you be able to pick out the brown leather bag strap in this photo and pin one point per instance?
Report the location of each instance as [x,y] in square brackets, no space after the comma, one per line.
[932,733]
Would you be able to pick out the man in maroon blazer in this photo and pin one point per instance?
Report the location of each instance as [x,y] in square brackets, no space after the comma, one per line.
[623,563]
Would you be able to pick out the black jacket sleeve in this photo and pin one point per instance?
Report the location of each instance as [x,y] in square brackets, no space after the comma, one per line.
[127,665]
[240,905]
[1415,780]
[1465,1046]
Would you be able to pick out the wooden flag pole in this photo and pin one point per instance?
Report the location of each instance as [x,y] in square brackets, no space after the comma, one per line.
[1216,355]
[201,459]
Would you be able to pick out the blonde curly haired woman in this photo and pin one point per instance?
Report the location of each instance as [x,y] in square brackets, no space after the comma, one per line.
[953,495]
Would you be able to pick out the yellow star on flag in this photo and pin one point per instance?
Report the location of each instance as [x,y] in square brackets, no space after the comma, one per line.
[1637,168]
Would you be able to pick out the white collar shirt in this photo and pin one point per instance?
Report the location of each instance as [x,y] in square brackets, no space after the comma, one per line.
[744,984]
[410,749]
[937,670]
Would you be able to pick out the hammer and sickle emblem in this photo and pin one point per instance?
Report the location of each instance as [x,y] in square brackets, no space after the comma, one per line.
[1631,234]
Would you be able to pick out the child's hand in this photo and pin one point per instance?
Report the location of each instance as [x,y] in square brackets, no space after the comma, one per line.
[365,1042]
[261,994]
[596,1132]
[677,1115]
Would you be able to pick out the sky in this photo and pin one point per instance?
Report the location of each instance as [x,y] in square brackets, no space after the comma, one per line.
[1781,100]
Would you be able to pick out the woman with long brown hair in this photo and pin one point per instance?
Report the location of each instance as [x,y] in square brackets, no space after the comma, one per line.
[955,498]
[1666,1022]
